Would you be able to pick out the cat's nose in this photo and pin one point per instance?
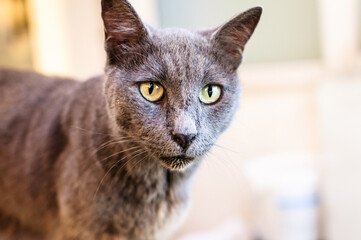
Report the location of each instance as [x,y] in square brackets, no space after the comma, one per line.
[183,140]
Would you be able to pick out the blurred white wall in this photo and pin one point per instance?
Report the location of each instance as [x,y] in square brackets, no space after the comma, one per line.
[339,102]
[289,30]
[339,35]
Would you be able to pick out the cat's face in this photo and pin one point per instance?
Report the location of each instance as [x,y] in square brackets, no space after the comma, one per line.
[174,90]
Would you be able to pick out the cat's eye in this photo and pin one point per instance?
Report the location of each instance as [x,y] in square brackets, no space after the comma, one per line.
[210,94]
[151,91]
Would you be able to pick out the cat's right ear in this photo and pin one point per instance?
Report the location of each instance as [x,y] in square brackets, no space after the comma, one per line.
[125,34]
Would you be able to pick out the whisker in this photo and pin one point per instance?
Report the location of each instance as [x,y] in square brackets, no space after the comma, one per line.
[103,159]
[91,131]
[138,162]
[114,154]
[228,165]
[106,144]
[215,163]
[225,148]
[127,161]
[109,170]
[132,167]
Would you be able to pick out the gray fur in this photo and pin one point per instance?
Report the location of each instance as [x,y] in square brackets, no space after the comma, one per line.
[95,160]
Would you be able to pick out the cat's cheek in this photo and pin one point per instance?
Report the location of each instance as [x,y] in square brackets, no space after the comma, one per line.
[148,122]
[218,119]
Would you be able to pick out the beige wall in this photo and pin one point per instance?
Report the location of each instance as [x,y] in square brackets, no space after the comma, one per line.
[67,37]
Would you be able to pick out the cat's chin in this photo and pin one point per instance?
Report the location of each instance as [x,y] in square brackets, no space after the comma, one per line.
[177,163]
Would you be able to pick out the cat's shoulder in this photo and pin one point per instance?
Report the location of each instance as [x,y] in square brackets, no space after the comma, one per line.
[11,77]
[23,89]
[21,84]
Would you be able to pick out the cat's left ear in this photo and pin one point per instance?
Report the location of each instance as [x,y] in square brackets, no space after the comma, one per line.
[125,33]
[230,39]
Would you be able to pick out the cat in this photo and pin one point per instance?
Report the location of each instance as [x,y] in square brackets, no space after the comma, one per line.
[114,157]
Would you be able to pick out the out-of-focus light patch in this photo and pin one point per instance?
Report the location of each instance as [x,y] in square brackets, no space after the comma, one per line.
[67,37]
[48,42]
[14,41]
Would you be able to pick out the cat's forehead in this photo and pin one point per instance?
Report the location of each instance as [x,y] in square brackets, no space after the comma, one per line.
[184,54]
[180,41]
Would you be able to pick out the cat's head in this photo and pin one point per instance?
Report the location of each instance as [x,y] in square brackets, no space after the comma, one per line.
[176,90]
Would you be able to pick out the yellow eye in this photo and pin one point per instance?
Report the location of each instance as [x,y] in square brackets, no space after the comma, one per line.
[210,94]
[152,91]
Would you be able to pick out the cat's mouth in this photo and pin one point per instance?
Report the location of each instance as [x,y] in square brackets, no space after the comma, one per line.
[179,162]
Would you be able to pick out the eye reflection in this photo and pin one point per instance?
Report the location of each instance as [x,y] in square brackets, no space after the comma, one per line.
[151,91]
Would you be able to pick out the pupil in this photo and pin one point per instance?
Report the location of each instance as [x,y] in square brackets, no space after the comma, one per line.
[210,91]
[151,88]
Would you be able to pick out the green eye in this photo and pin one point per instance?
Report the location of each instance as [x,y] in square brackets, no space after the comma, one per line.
[210,94]
[151,91]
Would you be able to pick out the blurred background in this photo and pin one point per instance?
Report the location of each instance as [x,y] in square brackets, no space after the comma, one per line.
[289,168]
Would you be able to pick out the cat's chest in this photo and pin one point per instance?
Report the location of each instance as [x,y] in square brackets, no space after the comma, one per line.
[141,212]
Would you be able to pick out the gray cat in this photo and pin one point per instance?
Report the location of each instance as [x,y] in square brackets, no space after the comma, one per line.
[113,157]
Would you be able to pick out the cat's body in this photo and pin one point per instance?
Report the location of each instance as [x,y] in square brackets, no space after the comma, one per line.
[97,160]
[58,171]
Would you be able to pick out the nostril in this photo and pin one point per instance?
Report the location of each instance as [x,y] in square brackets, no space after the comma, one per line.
[184,141]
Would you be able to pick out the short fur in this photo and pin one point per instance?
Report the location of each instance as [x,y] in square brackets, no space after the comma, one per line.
[96,160]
